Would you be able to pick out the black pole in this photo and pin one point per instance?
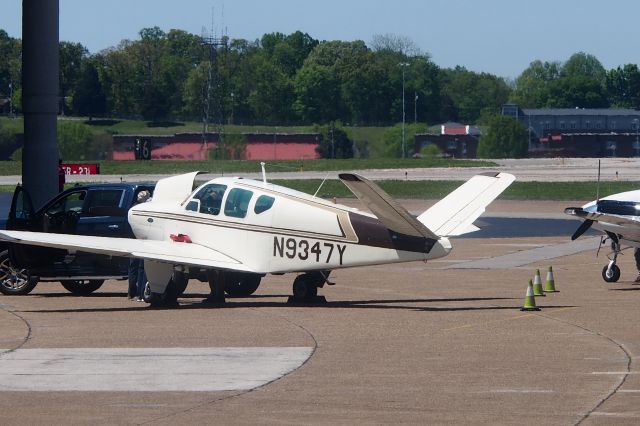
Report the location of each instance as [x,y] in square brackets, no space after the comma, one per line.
[40,69]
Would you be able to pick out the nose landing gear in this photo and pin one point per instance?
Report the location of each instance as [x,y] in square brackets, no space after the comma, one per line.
[611,271]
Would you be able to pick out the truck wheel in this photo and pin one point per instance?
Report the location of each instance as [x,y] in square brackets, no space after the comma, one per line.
[14,281]
[82,287]
[241,284]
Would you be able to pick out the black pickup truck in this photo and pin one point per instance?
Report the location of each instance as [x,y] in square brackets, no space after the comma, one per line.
[97,209]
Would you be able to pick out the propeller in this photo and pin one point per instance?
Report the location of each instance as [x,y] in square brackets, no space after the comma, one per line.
[582,228]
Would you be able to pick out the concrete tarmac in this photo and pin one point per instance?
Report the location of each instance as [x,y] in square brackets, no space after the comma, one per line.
[414,343]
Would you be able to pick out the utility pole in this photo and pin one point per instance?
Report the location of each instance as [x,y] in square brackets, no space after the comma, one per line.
[212,43]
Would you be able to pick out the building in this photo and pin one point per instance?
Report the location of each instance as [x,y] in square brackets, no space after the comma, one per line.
[454,140]
[579,132]
[195,146]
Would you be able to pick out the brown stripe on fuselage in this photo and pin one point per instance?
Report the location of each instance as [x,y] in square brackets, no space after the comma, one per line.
[371,232]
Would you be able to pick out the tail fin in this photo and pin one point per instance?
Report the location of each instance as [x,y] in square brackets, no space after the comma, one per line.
[455,214]
[387,210]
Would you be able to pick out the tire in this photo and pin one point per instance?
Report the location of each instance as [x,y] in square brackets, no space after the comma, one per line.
[180,280]
[82,287]
[14,281]
[156,300]
[304,288]
[238,284]
[613,276]
[152,298]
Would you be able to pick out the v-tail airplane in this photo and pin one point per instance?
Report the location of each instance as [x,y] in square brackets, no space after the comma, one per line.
[234,231]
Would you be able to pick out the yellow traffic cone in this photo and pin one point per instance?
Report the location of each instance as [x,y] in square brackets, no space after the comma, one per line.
[537,284]
[550,284]
[529,300]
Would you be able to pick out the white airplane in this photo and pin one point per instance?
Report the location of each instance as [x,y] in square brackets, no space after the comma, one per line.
[238,230]
[618,216]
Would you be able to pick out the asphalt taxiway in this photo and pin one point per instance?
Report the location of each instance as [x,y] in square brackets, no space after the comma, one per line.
[420,343]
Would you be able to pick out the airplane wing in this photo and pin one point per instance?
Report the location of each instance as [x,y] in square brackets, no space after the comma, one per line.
[387,210]
[162,251]
[602,217]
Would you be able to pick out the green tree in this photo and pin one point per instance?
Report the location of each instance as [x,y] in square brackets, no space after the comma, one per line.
[74,139]
[577,91]
[504,137]
[623,86]
[272,93]
[532,87]
[472,93]
[72,56]
[334,142]
[584,64]
[317,93]
[10,68]
[288,52]
[393,139]
[9,140]
[89,98]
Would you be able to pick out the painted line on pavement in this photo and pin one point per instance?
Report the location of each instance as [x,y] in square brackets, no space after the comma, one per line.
[526,257]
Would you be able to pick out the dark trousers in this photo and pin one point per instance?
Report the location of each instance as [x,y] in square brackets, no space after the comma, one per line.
[142,280]
[134,266]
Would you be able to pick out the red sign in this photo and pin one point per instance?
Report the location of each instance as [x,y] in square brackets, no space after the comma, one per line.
[81,169]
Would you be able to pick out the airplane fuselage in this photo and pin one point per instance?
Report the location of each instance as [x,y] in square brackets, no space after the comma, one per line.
[272,229]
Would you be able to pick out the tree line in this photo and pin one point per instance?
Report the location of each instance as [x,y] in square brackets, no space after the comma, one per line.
[296,79]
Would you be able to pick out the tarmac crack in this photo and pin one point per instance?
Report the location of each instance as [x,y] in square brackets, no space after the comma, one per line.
[25,338]
[617,344]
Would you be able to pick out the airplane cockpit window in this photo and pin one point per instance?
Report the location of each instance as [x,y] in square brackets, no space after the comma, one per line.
[263,203]
[237,203]
[210,198]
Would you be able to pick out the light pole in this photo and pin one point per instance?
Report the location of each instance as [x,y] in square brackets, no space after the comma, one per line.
[415,108]
[403,65]
[637,145]
[10,99]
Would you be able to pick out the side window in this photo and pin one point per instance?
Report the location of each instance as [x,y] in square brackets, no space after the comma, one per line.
[193,205]
[72,202]
[237,202]
[263,203]
[23,208]
[105,198]
[210,198]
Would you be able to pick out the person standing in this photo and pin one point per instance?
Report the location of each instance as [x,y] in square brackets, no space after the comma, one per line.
[61,176]
[636,255]
[136,265]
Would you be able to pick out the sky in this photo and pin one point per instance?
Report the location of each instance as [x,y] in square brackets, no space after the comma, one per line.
[501,37]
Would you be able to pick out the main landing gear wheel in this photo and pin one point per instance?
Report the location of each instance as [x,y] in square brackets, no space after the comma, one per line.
[611,275]
[169,299]
[305,287]
[241,284]
[82,287]
[14,281]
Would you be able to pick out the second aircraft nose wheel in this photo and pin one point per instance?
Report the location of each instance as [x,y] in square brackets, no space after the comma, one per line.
[611,274]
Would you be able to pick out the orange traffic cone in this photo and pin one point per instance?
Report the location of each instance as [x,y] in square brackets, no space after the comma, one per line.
[529,300]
